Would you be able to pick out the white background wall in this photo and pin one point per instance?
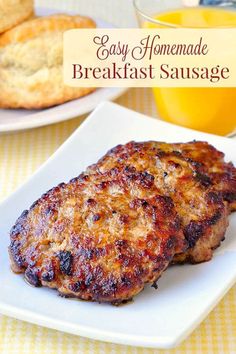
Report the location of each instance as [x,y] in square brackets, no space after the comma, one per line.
[119,12]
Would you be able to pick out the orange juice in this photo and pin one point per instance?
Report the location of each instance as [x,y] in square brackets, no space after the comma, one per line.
[207,109]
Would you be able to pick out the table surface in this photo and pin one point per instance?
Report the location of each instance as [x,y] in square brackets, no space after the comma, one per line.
[22,153]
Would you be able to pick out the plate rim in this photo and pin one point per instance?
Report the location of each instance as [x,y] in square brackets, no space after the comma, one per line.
[21,126]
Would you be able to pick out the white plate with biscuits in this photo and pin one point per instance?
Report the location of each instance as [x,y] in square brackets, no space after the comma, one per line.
[23,93]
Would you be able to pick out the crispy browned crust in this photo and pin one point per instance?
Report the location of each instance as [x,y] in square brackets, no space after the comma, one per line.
[100,237]
[211,161]
[185,173]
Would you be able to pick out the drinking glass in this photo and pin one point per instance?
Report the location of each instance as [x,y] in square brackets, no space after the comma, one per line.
[206,109]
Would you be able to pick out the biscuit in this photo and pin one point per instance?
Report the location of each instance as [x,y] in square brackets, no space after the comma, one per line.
[31,63]
[13,12]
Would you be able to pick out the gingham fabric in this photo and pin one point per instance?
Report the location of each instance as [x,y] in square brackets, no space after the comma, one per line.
[22,153]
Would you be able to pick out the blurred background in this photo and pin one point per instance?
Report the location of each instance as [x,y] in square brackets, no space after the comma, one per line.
[118,12]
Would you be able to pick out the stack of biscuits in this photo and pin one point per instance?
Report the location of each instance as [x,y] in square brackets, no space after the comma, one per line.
[31,56]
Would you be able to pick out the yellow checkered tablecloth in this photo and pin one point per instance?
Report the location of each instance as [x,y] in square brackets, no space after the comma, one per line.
[22,153]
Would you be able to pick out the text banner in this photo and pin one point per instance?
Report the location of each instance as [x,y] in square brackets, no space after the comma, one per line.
[150,57]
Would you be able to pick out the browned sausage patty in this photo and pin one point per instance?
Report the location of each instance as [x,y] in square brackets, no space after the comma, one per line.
[211,161]
[99,237]
[195,176]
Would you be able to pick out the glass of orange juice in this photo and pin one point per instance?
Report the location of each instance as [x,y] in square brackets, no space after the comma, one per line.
[211,110]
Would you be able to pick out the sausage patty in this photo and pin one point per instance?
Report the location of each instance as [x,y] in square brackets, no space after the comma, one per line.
[195,176]
[211,161]
[100,237]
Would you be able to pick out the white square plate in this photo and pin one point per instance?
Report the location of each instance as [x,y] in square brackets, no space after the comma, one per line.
[159,319]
